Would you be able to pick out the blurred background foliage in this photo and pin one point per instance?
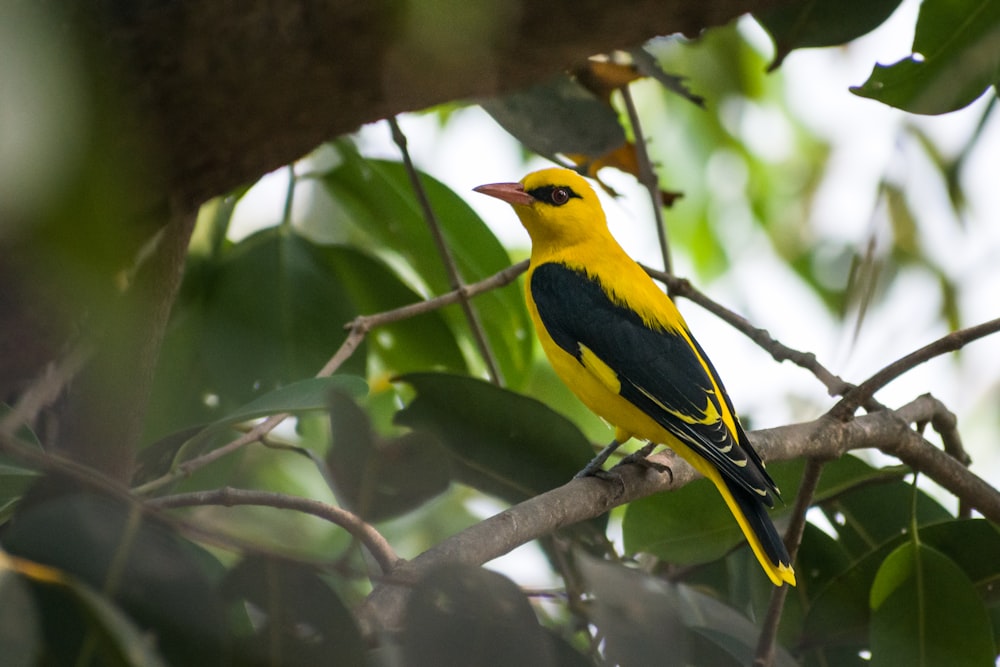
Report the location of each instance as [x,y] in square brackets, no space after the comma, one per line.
[411,434]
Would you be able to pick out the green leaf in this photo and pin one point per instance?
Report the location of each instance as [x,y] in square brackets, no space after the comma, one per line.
[376,478]
[301,396]
[20,632]
[300,620]
[15,478]
[638,616]
[420,342]
[560,116]
[465,615]
[957,57]
[502,443]
[377,204]
[140,566]
[297,397]
[276,316]
[821,23]
[269,312]
[686,526]
[925,611]
[840,613]
[870,515]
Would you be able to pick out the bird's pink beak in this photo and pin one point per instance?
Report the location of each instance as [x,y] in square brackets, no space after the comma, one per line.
[512,193]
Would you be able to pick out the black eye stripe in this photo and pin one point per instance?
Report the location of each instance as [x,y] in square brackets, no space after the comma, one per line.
[556,195]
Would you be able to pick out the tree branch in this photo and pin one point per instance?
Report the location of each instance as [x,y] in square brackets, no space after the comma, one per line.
[583,499]
[364,532]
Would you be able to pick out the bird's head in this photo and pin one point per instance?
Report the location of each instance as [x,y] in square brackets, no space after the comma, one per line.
[557,206]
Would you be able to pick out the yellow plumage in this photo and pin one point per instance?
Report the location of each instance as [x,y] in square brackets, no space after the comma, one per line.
[621,345]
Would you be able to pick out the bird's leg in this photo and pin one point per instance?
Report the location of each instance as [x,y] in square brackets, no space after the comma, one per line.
[592,469]
[640,458]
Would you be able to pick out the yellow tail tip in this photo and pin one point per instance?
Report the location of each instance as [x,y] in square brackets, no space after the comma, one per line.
[782,574]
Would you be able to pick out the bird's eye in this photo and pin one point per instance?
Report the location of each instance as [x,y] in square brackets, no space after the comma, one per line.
[560,196]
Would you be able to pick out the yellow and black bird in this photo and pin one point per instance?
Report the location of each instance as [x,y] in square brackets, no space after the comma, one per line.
[622,347]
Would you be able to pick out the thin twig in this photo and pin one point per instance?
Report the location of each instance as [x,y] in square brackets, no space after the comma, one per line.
[45,389]
[764,655]
[647,176]
[951,342]
[778,351]
[364,532]
[454,275]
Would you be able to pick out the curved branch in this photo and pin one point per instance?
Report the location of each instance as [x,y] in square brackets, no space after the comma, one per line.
[364,532]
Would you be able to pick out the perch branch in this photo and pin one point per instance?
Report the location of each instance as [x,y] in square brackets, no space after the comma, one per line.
[583,499]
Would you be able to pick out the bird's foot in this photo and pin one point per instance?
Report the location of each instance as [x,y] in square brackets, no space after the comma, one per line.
[640,458]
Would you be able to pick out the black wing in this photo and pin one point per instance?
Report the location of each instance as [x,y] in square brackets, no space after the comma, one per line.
[658,370]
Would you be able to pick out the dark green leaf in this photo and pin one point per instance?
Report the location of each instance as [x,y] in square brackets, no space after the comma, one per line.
[638,616]
[379,208]
[416,343]
[301,621]
[465,615]
[276,316]
[376,478]
[20,634]
[15,478]
[270,312]
[957,57]
[558,117]
[502,443]
[822,23]
[161,581]
[298,397]
[840,613]
[925,611]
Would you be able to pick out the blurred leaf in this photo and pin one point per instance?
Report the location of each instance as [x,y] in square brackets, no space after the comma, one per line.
[20,634]
[298,619]
[559,117]
[650,66]
[269,312]
[163,582]
[276,316]
[925,611]
[956,58]
[465,615]
[380,479]
[377,203]
[821,23]
[638,616]
[503,443]
[904,223]
[117,639]
[15,478]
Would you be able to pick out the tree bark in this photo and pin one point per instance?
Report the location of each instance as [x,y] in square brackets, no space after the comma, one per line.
[228,91]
